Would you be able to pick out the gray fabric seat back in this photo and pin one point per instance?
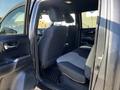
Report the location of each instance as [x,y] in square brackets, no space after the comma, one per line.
[53,40]
[51,45]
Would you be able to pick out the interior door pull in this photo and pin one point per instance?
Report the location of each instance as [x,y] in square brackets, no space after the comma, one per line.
[9,46]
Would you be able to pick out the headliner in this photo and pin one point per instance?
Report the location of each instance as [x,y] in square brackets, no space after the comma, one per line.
[75,6]
[84,5]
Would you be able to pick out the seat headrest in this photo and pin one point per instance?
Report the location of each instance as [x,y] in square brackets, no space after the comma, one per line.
[55,15]
[68,18]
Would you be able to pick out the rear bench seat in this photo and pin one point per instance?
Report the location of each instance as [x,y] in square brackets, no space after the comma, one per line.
[77,64]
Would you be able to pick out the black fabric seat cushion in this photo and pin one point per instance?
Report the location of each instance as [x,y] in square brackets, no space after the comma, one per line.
[73,64]
[72,72]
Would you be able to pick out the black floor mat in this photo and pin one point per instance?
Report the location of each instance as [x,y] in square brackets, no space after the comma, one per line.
[52,74]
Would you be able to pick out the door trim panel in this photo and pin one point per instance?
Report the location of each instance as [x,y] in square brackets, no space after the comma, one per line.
[10,66]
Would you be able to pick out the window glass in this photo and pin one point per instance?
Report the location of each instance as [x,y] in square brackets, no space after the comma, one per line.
[12,17]
[89,19]
[44,22]
[13,22]
[66,24]
[73,15]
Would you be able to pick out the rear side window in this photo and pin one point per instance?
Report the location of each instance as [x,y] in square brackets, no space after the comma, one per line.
[89,19]
[44,22]
[12,17]
[64,23]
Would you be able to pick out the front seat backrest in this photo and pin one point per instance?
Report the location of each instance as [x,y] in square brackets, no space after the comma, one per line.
[52,42]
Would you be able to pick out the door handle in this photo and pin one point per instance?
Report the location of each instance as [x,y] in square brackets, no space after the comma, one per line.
[7,46]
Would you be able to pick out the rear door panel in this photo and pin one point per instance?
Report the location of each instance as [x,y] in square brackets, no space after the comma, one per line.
[14,53]
[16,66]
[14,41]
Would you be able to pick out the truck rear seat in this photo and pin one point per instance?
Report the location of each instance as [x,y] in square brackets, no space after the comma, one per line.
[77,64]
